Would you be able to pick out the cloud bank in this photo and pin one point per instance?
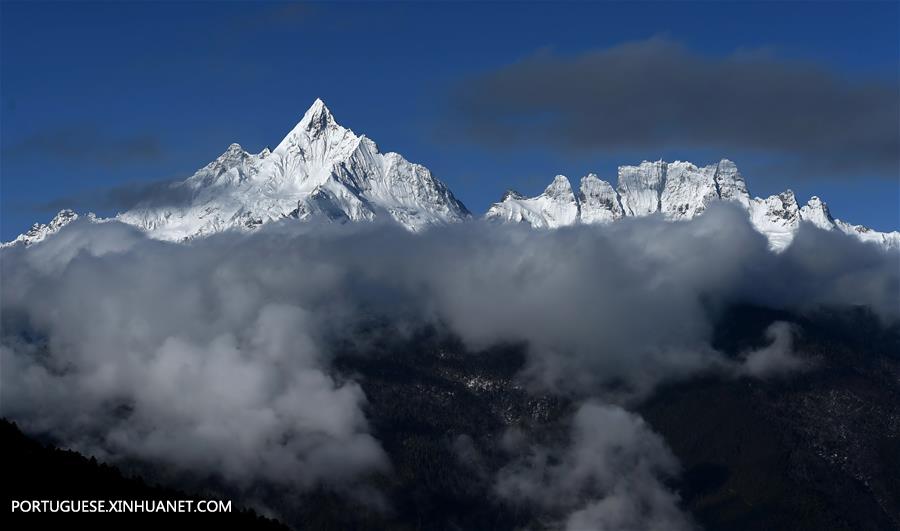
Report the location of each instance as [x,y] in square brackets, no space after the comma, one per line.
[126,348]
[647,95]
[215,356]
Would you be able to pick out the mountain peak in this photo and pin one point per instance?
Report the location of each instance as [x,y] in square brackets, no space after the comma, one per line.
[727,163]
[560,187]
[312,147]
[317,117]
[229,158]
[234,152]
[788,197]
[511,194]
[816,211]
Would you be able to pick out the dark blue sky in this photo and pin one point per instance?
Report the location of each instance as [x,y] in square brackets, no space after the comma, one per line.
[101,95]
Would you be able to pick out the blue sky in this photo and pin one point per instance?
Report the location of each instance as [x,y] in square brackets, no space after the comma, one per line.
[94,96]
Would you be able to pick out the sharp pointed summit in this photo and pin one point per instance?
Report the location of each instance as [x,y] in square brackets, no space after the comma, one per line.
[320,169]
[318,105]
[317,118]
[560,187]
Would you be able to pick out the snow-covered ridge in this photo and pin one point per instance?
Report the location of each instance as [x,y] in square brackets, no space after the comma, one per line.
[321,169]
[679,191]
[40,231]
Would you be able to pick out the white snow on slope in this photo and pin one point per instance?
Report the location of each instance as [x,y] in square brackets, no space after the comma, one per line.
[556,207]
[320,168]
[598,201]
[679,191]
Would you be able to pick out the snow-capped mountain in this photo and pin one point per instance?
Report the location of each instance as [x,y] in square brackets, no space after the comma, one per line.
[323,169]
[679,191]
[320,168]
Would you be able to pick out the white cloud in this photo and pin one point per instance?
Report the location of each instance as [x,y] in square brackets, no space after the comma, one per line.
[776,358]
[609,476]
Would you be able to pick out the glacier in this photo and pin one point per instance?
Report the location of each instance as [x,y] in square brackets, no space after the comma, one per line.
[324,170]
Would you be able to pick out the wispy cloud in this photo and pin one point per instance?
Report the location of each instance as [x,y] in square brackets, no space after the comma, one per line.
[610,476]
[160,194]
[87,144]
